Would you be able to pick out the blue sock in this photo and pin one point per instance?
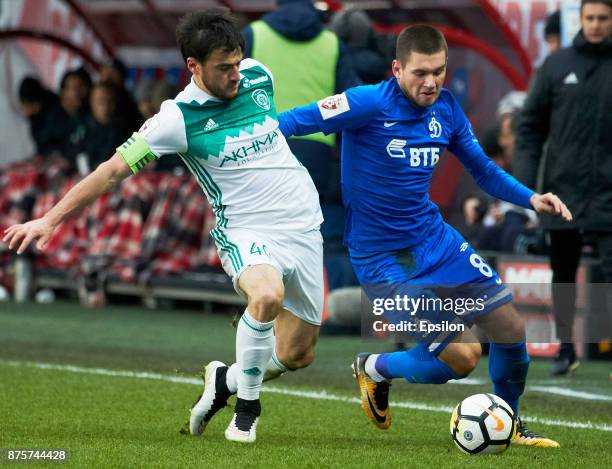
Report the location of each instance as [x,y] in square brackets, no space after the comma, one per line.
[417,365]
[508,365]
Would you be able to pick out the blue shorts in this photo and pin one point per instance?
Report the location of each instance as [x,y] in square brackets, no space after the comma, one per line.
[454,283]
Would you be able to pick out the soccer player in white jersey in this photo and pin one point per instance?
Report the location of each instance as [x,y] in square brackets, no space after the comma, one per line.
[224,126]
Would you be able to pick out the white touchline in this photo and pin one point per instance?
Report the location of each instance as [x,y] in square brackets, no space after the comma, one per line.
[542,389]
[570,393]
[321,395]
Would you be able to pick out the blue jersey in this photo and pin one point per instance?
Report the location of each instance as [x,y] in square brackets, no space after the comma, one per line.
[390,148]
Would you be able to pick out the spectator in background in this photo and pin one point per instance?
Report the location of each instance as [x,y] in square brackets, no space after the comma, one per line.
[126,110]
[74,92]
[150,94]
[493,224]
[143,93]
[79,82]
[512,227]
[552,31]
[490,144]
[75,87]
[308,63]
[474,202]
[354,29]
[48,121]
[568,108]
[102,133]
[160,92]
[507,119]
[86,83]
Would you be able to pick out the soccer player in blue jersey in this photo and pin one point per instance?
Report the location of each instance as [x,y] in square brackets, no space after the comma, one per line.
[393,135]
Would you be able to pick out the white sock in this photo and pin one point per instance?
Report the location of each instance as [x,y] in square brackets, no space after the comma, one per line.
[274,369]
[254,348]
[231,378]
[370,368]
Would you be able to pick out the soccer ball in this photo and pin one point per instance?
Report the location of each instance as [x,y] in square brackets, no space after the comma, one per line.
[483,424]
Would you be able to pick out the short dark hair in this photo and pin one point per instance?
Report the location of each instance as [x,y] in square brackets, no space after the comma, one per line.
[120,67]
[420,38]
[608,3]
[66,76]
[107,86]
[85,76]
[552,26]
[31,90]
[79,73]
[200,33]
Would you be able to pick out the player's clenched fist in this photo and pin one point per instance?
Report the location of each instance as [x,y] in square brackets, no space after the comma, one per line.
[22,235]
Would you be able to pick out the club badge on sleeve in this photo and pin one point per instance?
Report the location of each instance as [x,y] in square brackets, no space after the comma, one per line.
[333,106]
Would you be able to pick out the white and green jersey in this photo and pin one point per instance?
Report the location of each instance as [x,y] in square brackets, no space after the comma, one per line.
[237,153]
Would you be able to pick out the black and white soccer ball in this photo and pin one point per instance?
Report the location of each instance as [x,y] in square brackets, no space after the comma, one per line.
[483,424]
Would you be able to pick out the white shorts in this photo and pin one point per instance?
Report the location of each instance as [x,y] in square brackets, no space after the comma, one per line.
[297,256]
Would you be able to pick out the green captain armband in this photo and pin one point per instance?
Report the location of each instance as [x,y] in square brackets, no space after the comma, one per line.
[136,152]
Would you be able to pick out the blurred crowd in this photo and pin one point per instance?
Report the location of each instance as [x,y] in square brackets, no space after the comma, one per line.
[494,225]
[156,223]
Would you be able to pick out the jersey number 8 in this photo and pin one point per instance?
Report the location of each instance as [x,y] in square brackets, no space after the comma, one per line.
[479,263]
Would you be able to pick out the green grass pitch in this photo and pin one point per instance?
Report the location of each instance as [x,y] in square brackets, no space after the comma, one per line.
[78,401]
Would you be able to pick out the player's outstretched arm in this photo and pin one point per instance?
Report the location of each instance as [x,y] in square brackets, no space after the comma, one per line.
[299,121]
[550,203]
[343,111]
[494,180]
[106,176]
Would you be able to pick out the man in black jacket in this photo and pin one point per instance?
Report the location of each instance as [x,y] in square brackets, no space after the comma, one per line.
[49,123]
[568,108]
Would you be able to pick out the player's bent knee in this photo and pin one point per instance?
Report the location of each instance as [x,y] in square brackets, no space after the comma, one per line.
[504,325]
[516,329]
[468,359]
[461,358]
[266,304]
[474,355]
[297,358]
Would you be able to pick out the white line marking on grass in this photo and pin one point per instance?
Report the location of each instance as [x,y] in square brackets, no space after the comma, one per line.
[537,382]
[319,395]
[105,372]
[570,393]
[566,392]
